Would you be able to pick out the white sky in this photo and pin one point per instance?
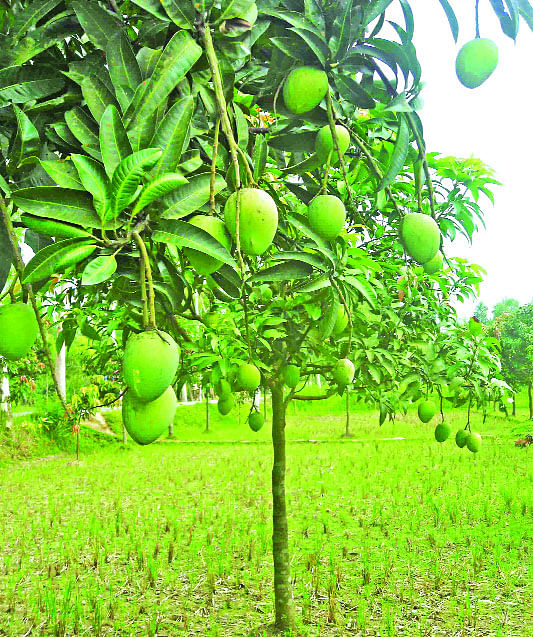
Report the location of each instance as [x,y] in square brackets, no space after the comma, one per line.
[493,123]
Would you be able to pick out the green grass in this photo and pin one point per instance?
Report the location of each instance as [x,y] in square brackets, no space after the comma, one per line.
[403,537]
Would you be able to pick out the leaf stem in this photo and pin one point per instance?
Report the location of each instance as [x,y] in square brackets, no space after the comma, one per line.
[213,169]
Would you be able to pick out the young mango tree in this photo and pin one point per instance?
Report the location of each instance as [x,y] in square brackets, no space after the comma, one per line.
[268,156]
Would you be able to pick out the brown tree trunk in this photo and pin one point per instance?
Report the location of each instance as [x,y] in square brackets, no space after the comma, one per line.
[514,405]
[530,397]
[280,530]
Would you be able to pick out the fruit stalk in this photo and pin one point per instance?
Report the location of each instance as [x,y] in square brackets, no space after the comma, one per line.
[234,149]
[19,267]
[146,274]
[213,169]
[347,310]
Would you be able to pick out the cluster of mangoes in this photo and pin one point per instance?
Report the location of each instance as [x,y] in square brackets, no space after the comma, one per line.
[464,437]
[149,365]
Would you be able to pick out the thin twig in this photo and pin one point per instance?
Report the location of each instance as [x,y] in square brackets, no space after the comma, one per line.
[148,273]
[213,169]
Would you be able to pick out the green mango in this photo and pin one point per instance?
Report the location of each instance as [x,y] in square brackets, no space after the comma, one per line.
[476,62]
[327,216]
[248,377]
[442,431]
[258,219]
[426,410]
[420,236]
[225,405]
[461,438]
[434,265]
[341,321]
[473,442]
[256,421]
[146,421]
[291,376]
[18,330]
[324,143]
[343,372]
[203,263]
[304,89]
[150,363]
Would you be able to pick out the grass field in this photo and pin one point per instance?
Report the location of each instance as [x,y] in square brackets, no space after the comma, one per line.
[398,537]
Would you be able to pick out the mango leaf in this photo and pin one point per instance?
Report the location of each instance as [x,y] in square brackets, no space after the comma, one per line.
[192,196]
[307,165]
[29,16]
[158,188]
[283,272]
[63,204]
[124,69]
[57,258]
[114,143]
[177,59]
[153,7]
[293,17]
[328,321]
[42,38]
[399,155]
[63,173]
[363,287]
[128,175]
[171,134]
[185,235]
[99,270]
[26,141]
[353,93]
[300,223]
[97,96]
[21,84]
[316,43]
[306,257]
[181,12]
[319,283]
[242,127]
[375,9]
[452,18]
[94,179]
[99,26]
[82,126]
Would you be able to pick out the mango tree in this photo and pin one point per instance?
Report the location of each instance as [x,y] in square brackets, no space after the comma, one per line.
[268,156]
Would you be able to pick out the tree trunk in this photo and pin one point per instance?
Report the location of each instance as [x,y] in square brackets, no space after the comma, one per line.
[318,381]
[206,412]
[514,405]
[124,435]
[347,432]
[61,371]
[184,393]
[264,403]
[6,415]
[280,531]
[530,397]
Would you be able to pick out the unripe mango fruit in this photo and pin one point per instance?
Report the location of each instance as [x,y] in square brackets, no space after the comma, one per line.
[146,421]
[248,377]
[473,442]
[420,236]
[324,143]
[223,388]
[258,219]
[476,61]
[291,375]
[442,431]
[225,405]
[341,321]
[343,372]
[256,421]
[304,88]
[327,215]
[434,265]
[150,363]
[461,437]
[18,330]
[203,263]
[426,410]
